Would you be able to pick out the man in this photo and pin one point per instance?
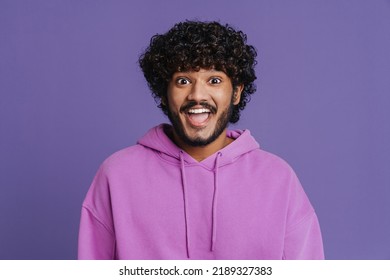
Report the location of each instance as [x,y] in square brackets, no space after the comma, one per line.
[195,190]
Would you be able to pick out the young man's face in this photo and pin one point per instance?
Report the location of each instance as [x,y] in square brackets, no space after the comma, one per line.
[200,104]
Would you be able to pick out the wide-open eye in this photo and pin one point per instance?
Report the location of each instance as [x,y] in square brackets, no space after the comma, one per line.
[182,81]
[215,81]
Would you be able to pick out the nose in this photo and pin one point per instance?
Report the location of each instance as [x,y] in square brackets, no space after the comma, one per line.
[198,92]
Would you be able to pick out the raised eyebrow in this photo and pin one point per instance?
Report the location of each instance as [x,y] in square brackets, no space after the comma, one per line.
[180,75]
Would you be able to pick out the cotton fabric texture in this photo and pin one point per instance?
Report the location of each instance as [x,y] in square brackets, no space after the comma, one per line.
[154,201]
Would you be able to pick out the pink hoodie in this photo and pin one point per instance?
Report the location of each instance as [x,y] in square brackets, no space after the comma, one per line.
[154,201]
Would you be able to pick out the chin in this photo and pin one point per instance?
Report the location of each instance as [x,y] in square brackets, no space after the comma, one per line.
[199,136]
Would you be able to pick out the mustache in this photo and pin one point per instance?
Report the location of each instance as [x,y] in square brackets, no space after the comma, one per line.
[191,104]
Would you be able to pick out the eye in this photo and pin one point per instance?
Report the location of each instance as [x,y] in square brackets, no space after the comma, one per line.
[215,81]
[182,81]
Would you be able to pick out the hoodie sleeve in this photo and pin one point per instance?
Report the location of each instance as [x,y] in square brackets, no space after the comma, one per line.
[303,240]
[96,241]
[96,234]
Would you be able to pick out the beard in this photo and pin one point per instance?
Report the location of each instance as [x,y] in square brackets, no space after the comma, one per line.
[220,126]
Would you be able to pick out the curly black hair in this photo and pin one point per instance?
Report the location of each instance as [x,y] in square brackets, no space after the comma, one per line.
[192,45]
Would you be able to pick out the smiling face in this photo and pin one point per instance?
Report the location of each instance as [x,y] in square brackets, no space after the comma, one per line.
[200,104]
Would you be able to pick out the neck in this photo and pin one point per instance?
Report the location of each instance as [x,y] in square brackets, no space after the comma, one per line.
[202,152]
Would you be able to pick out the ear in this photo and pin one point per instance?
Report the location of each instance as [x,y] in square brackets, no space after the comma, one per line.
[164,100]
[237,94]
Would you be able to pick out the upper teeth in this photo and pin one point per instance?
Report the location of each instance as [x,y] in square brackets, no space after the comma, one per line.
[198,111]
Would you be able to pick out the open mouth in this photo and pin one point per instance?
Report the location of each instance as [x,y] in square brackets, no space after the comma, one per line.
[198,117]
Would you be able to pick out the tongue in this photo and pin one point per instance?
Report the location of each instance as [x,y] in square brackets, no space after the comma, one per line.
[199,118]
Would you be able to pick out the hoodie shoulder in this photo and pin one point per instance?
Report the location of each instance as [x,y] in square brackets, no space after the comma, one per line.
[273,159]
[125,157]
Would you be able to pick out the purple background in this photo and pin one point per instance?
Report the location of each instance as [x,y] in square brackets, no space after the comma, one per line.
[71,94]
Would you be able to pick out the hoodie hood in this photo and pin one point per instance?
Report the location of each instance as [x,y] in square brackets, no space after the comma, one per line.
[157,140]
